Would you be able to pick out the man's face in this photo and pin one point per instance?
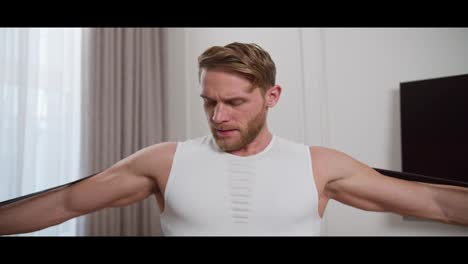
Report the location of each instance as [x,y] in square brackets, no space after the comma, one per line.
[236,114]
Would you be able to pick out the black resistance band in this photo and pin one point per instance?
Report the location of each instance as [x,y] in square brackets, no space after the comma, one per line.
[37,193]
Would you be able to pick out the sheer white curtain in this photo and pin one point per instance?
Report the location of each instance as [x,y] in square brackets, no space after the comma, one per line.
[40,82]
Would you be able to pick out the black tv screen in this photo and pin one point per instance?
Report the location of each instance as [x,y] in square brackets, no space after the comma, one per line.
[434,127]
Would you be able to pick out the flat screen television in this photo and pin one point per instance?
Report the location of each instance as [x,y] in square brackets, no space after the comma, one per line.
[434,128]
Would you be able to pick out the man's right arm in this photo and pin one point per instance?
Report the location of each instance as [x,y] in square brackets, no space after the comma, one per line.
[128,181]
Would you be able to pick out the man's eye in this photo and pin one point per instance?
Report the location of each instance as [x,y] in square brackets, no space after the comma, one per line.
[208,102]
[236,102]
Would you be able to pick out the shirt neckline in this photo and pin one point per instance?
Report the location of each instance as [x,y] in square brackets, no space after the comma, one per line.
[250,157]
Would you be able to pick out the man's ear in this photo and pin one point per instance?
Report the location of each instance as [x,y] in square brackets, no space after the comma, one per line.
[272,95]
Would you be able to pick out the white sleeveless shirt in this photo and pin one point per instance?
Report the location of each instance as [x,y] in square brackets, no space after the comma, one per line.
[214,193]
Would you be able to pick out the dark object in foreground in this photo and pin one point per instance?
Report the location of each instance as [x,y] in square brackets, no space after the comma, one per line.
[37,193]
[420,178]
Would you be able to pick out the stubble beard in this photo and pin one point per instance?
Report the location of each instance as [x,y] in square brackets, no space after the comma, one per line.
[247,135]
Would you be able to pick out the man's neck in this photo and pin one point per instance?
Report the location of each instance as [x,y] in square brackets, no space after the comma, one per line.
[256,146]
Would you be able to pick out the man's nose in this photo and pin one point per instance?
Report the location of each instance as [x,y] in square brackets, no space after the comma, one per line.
[219,114]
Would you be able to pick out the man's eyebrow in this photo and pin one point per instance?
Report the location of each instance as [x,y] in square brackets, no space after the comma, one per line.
[206,97]
[227,99]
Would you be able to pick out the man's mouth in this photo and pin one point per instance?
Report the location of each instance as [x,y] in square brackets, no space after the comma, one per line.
[225,132]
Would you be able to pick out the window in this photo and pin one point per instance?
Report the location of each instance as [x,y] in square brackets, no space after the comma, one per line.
[40,98]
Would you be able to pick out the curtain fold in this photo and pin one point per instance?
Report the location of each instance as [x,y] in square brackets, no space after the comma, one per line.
[122,113]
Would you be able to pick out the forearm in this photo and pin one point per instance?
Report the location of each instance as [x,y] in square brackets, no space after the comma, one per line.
[453,203]
[33,214]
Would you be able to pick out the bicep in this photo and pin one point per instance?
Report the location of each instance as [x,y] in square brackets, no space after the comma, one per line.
[122,184]
[113,187]
[367,189]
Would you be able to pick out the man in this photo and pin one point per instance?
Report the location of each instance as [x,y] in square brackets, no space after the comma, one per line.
[241,179]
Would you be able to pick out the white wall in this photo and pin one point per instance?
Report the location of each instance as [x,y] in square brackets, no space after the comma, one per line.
[340,89]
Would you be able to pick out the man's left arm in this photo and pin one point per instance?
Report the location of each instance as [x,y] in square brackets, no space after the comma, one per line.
[356,184]
[452,201]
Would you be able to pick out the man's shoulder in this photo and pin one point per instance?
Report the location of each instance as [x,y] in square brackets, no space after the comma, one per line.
[326,154]
[313,148]
[287,142]
[332,163]
[156,154]
[170,147]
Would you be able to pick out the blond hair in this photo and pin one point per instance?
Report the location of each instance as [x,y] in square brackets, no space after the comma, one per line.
[249,60]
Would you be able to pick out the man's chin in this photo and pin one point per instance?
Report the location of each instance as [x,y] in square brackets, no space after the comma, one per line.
[226,144]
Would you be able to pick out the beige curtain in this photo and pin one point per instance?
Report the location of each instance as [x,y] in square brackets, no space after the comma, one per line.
[122,113]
